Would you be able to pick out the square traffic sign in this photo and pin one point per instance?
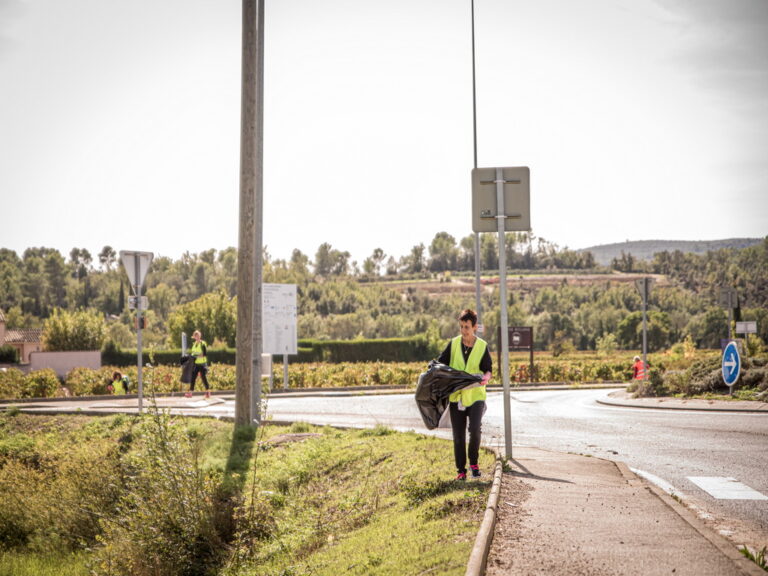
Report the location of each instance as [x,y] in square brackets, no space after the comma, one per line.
[516,183]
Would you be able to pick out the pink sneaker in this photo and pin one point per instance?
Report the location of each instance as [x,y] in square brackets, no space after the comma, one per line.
[188,395]
[207,394]
[461,476]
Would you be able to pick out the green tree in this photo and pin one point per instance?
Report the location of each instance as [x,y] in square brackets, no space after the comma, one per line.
[708,328]
[415,263]
[489,252]
[630,330]
[11,293]
[107,258]
[79,330]
[214,314]
[443,253]
[162,299]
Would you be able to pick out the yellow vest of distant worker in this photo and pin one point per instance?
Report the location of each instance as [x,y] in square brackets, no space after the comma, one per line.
[472,365]
[199,350]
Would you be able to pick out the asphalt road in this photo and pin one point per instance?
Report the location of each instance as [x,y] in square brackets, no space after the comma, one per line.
[668,447]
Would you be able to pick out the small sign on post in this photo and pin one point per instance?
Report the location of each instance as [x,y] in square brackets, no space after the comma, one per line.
[520,338]
[134,301]
[746,327]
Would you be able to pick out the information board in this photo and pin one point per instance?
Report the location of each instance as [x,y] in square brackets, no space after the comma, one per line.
[279,319]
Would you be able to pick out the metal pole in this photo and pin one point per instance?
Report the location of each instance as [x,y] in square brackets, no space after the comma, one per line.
[258,217]
[285,372]
[478,268]
[730,313]
[137,291]
[500,219]
[645,328]
[474,89]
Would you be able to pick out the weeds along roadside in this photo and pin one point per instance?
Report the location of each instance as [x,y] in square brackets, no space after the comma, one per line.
[200,497]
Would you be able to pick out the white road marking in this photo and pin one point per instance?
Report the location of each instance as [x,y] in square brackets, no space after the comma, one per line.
[724,488]
[663,484]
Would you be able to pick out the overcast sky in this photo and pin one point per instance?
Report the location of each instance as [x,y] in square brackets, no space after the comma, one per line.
[639,119]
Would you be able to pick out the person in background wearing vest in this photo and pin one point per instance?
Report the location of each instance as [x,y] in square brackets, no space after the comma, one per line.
[638,369]
[119,384]
[199,354]
[469,353]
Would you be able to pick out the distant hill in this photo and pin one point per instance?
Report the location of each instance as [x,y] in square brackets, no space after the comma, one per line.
[645,249]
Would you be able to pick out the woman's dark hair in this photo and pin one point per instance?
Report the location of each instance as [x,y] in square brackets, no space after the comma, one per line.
[468,314]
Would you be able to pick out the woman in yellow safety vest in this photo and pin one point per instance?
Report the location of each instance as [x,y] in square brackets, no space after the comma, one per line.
[199,353]
[469,353]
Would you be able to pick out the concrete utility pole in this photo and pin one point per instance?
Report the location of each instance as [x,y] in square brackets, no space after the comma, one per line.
[249,259]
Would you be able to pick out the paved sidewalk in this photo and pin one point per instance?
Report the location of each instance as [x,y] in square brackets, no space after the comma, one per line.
[577,515]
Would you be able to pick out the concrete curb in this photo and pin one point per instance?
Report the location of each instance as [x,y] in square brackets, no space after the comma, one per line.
[479,555]
[661,406]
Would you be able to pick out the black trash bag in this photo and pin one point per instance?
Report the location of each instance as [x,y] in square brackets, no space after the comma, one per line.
[434,388]
[187,367]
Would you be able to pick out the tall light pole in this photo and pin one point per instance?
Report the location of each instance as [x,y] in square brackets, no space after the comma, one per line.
[478,301]
[249,259]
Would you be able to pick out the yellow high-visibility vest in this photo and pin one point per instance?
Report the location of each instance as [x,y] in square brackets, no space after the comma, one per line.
[197,351]
[472,365]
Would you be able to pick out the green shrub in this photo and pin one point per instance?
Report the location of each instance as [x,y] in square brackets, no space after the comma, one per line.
[9,355]
[166,518]
[11,383]
[88,382]
[74,330]
[653,386]
[54,493]
[41,384]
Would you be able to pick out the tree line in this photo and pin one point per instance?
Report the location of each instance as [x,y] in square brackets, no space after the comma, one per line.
[340,300]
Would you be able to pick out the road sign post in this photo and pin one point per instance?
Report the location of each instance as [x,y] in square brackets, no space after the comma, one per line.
[729,298]
[136,265]
[501,203]
[644,286]
[731,365]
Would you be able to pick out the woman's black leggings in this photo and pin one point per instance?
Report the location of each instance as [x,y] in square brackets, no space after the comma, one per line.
[459,418]
[201,369]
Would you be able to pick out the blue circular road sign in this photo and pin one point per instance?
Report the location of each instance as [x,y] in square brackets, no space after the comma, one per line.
[731,363]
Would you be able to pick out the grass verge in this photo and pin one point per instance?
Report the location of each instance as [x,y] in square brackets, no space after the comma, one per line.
[302,500]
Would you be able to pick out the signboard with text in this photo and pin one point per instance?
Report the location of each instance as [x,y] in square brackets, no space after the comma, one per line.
[279,319]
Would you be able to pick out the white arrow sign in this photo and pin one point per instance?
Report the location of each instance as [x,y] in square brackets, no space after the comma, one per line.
[731,364]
